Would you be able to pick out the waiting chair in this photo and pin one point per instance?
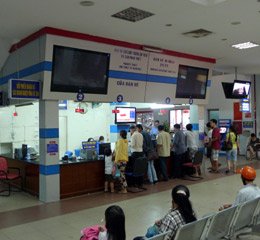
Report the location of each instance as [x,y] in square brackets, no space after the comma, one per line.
[138,172]
[195,164]
[245,218]
[221,224]
[194,230]
[8,177]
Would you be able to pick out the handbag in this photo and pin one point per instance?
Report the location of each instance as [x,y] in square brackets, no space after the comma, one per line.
[115,171]
[227,145]
[152,155]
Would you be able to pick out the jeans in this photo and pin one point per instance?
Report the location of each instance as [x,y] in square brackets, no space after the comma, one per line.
[177,171]
[151,173]
[232,154]
[163,166]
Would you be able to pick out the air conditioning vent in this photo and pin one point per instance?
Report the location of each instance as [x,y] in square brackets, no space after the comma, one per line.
[199,33]
[132,14]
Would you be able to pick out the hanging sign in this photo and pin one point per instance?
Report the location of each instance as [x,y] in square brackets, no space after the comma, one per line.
[80,96]
[119,98]
[24,89]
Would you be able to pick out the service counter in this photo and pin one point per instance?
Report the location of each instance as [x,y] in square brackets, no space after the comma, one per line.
[76,177]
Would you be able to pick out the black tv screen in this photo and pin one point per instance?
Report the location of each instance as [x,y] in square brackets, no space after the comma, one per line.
[192,82]
[228,91]
[75,70]
[241,88]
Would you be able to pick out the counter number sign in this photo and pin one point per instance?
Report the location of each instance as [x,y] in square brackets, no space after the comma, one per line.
[191,101]
[119,98]
[167,100]
[80,96]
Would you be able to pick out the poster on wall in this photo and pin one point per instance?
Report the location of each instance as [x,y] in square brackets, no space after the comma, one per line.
[236,111]
[248,124]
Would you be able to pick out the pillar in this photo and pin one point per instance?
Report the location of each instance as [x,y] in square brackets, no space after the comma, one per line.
[49,153]
[194,120]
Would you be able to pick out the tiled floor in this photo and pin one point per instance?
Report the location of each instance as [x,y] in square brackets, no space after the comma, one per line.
[24,217]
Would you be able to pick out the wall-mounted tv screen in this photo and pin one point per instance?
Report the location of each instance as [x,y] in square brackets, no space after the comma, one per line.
[125,115]
[192,82]
[77,69]
[241,88]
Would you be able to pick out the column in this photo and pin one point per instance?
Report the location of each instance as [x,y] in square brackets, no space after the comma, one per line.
[194,120]
[49,153]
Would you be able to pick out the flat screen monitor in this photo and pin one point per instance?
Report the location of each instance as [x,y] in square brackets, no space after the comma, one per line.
[24,151]
[241,88]
[192,82]
[125,115]
[75,70]
[102,147]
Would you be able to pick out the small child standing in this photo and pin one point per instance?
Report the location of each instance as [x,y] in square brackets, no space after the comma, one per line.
[108,170]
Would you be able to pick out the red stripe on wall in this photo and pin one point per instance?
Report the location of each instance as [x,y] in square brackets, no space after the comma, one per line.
[83,36]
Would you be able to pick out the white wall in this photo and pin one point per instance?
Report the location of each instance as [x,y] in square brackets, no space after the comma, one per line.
[23,128]
[80,127]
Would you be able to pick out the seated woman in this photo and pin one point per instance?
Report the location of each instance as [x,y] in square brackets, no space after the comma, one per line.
[114,228]
[115,224]
[253,145]
[181,213]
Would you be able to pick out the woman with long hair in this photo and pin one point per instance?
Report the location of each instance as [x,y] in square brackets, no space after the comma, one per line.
[232,154]
[115,224]
[180,213]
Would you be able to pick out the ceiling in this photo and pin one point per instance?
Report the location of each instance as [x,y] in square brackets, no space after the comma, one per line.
[18,19]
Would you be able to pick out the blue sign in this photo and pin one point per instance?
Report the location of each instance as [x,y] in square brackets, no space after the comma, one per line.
[24,89]
[167,100]
[191,101]
[63,104]
[80,96]
[89,145]
[119,98]
[52,148]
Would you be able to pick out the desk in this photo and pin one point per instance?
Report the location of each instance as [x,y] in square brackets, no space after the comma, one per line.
[76,177]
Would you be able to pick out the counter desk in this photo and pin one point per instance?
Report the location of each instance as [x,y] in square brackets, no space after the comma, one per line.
[76,177]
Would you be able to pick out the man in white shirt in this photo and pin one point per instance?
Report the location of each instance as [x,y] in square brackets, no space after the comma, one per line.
[250,191]
[136,142]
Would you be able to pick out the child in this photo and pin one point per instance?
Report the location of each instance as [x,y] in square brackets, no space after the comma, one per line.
[108,170]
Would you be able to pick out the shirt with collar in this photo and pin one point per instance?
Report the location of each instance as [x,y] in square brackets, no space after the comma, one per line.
[137,142]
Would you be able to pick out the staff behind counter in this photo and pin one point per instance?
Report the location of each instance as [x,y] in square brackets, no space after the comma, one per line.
[91,150]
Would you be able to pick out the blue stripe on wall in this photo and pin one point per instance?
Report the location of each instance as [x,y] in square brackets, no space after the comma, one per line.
[49,132]
[36,68]
[127,75]
[161,79]
[195,126]
[49,169]
[47,66]
[118,128]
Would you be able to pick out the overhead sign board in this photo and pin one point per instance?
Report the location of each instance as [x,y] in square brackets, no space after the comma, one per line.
[24,89]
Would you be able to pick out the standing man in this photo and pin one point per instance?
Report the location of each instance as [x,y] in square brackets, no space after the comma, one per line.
[179,145]
[148,149]
[215,145]
[164,150]
[154,132]
[136,142]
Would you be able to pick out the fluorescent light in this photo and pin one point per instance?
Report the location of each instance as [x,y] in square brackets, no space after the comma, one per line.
[208,2]
[245,45]
[152,49]
[160,106]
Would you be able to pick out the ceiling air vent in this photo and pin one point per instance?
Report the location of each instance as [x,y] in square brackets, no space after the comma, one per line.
[132,14]
[199,33]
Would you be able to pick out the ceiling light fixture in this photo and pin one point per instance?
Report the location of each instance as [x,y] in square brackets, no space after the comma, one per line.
[208,2]
[168,25]
[245,45]
[236,23]
[86,3]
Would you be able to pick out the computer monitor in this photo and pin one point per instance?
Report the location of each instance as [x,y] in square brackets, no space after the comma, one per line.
[24,151]
[102,147]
